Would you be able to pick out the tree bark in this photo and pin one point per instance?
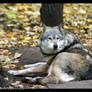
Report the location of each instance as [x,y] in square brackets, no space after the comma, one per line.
[52,14]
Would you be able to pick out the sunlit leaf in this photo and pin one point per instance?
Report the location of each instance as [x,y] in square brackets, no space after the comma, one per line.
[6,78]
[10,34]
[35,37]
[82,30]
[90,51]
[11,14]
[7,59]
[26,39]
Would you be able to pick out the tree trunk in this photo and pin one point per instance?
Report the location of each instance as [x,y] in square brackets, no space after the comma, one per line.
[52,14]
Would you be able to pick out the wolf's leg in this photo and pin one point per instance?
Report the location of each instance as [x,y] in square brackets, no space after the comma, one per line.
[59,67]
[51,79]
[56,76]
[35,65]
[34,68]
[64,77]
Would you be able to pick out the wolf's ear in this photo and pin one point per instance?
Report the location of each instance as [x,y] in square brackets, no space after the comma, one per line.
[44,27]
[61,29]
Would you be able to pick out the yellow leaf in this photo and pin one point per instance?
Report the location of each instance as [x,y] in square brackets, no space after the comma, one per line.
[65,26]
[20,67]
[89,20]
[37,86]
[10,34]
[85,26]
[33,43]
[2,33]
[6,78]
[35,37]
[82,30]
[26,39]
[90,51]
[85,44]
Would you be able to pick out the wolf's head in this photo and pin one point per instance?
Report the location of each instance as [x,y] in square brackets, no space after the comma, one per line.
[51,41]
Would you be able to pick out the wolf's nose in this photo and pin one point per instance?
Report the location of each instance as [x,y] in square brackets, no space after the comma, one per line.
[55,47]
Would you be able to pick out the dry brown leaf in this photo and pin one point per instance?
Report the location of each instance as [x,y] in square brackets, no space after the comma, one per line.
[5,52]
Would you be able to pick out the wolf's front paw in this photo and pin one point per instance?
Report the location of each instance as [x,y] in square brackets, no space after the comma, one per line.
[29,80]
[13,72]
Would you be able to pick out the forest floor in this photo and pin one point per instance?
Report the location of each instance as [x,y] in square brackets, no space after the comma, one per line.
[20,26]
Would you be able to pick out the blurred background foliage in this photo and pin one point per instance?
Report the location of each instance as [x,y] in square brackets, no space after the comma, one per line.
[20,23]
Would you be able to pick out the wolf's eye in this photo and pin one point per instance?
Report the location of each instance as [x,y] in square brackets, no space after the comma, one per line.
[49,38]
[57,38]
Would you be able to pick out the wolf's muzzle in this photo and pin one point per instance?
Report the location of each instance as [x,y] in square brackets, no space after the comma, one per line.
[55,47]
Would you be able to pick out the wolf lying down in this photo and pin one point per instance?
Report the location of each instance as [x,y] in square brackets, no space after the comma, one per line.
[66,58]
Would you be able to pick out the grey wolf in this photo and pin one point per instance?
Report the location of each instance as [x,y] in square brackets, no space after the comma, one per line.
[66,58]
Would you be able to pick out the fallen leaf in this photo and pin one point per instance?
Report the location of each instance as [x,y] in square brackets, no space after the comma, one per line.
[65,26]
[5,52]
[7,59]
[26,39]
[6,78]
[20,67]
[12,66]
[35,37]
[10,34]
[17,55]
[11,14]
[37,86]
[90,51]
